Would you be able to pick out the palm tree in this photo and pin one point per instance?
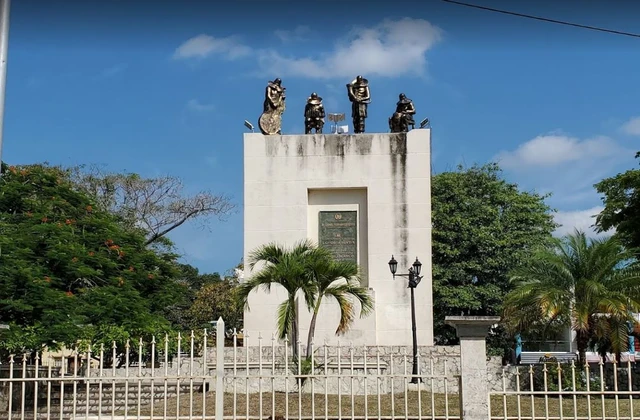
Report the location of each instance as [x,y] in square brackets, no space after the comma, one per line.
[592,285]
[312,271]
[340,281]
[289,269]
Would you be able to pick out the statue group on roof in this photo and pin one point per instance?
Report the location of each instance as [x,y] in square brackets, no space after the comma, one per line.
[270,122]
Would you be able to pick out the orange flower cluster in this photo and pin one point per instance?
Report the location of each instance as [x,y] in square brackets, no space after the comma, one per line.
[112,246]
[14,170]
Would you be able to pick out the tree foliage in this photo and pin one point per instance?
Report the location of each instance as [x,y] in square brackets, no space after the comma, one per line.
[590,285]
[483,226]
[621,199]
[311,271]
[158,205]
[285,268]
[217,299]
[191,281]
[69,270]
[337,281]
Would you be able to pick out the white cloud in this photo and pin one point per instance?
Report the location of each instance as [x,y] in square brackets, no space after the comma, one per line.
[197,106]
[565,166]
[580,219]
[299,33]
[632,126]
[203,46]
[555,149]
[390,49]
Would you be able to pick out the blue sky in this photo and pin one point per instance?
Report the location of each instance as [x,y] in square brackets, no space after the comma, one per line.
[163,88]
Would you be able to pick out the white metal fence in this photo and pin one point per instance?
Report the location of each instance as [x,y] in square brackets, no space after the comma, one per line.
[554,390]
[205,380]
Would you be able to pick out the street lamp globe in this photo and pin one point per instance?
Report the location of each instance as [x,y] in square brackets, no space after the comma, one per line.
[393,265]
[417,267]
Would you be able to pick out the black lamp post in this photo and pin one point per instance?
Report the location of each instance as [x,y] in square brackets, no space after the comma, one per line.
[414,280]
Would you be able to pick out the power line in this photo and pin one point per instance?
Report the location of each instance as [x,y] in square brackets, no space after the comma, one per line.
[561,22]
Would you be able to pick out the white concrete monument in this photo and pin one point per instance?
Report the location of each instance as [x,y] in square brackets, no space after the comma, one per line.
[366,197]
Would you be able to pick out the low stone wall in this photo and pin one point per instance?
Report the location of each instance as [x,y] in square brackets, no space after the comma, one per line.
[266,369]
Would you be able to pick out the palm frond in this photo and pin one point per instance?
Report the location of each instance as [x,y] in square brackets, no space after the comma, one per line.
[262,279]
[269,253]
[346,294]
[345,305]
[586,283]
[285,315]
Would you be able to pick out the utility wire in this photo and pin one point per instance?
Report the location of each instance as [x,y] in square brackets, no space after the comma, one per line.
[561,22]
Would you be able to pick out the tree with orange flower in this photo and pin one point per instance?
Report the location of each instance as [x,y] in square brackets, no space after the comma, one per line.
[70,270]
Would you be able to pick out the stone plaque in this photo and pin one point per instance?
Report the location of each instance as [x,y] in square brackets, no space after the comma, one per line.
[338,232]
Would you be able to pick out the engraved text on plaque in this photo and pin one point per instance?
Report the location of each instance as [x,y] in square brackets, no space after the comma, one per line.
[338,232]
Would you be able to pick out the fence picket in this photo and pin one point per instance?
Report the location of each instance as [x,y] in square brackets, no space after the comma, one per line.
[257,380]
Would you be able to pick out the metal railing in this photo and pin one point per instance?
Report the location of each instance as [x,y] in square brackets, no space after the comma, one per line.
[554,390]
[260,380]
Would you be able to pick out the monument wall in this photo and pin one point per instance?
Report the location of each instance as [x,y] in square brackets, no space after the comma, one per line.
[365,196]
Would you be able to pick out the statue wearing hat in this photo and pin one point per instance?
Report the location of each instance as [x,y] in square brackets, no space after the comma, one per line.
[403,117]
[360,97]
[270,121]
[313,114]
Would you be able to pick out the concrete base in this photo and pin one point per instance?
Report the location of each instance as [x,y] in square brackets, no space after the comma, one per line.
[386,179]
[417,387]
[472,331]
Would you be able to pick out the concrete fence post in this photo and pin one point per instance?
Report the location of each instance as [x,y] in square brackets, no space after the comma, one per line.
[474,392]
[220,332]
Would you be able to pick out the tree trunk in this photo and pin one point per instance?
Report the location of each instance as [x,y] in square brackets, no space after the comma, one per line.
[582,341]
[294,331]
[312,326]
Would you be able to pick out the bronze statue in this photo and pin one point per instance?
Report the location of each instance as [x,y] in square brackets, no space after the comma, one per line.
[313,114]
[270,121]
[360,97]
[403,117]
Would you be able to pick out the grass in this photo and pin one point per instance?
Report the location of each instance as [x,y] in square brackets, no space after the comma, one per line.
[416,404]
[398,406]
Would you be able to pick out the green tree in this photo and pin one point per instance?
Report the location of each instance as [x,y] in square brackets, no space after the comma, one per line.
[287,268]
[341,282]
[68,268]
[312,271]
[194,280]
[590,285]
[621,199]
[217,299]
[483,226]
[191,281]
